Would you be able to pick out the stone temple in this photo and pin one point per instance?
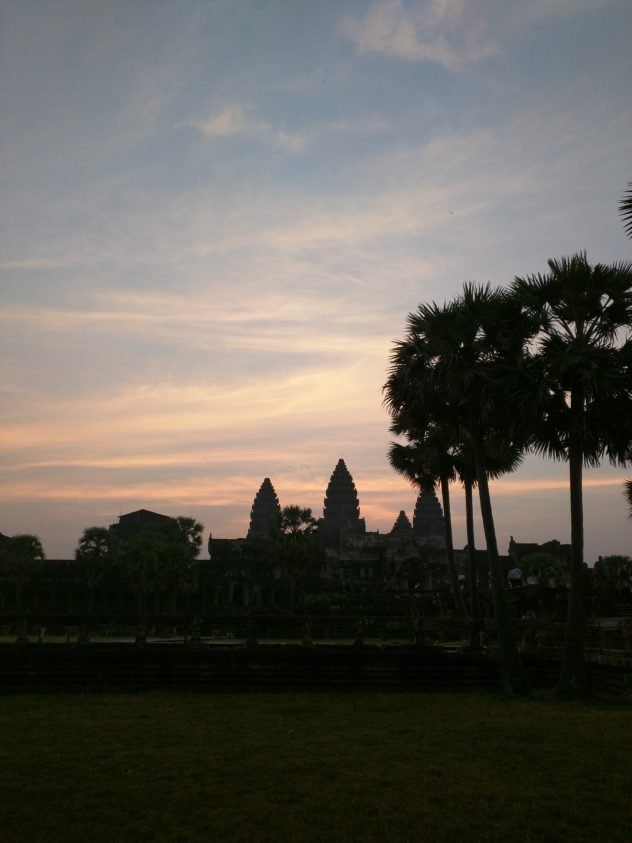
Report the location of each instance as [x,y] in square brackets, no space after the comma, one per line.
[355,558]
[341,525]
[341,513]
[265,515]
[353,563]
[402,528]
[428,523]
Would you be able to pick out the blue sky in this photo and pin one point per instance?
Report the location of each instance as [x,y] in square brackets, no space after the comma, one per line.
[215,216]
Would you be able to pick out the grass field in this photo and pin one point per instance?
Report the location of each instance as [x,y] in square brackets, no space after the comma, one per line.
[313,767]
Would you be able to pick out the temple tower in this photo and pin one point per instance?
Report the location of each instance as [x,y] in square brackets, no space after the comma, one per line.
[402,528]
[428,523]
[265,515]
[341,507]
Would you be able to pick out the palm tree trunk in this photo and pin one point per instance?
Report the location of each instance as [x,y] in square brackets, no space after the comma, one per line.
[513,678]
[573,679]
[449,547]
[471,554]
[292,579]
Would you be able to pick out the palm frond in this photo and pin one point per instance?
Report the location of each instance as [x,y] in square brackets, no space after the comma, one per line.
[627,494]
[625,210]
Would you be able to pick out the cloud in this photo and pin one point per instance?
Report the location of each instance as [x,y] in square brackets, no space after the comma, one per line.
[270,322]
[236,121]
[37,263]
[398,191]
[441,31]
[273,404]
[506,486]
[227,123]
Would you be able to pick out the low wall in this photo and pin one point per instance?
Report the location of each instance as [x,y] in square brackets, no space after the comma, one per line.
[125,667]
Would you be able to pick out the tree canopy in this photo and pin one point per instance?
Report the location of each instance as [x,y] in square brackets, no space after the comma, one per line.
[546,366]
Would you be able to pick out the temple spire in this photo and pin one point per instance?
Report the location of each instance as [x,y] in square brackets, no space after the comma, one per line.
[265,515]
[428,521]
[341,507]
[402,526]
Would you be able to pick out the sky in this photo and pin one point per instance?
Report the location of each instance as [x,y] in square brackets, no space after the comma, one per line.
[215,216]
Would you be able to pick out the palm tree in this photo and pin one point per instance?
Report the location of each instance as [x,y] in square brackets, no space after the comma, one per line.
[455,365]
[502,456]
[180,572]
[299,546]
[426,462]
[625,209]
[189,531]
[94,551]
[22,560]
[627,493]
[581,400]
[142,560]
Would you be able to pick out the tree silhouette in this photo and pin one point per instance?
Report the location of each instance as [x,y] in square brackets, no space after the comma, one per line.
[180,571]
[454,367]
[427,462]
[580,397]
[627,493]
[94,551]
[625,210]
[22,558]
[300,549]
[161,558]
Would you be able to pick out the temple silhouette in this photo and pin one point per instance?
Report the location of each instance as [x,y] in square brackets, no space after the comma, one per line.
[341,563]
[349,559]
[265,515]
[341,509]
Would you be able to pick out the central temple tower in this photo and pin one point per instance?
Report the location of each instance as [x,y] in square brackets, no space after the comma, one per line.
[265,515]
[341,508]
[428,522]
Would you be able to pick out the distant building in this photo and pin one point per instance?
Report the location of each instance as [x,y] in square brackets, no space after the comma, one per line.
[354,560]
[518,550]
[134,522]
[345,561]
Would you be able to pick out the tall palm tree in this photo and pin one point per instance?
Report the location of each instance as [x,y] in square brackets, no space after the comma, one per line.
[426,463]
[142,561]
[456,363]
[94,551]
[581,405]
[439,455]
[502,456]
[189,533]
[22,560]
[299,546]
[627,493]
[625,209]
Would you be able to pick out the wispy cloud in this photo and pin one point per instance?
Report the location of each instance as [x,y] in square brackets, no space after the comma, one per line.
[443,31]
[207,250]
[273,403]
[270,323]
[237,121]
[512,486]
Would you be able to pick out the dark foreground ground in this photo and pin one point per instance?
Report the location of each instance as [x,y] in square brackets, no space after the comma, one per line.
[313,767]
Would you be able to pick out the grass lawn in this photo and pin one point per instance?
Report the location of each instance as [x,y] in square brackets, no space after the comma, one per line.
[312,767]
